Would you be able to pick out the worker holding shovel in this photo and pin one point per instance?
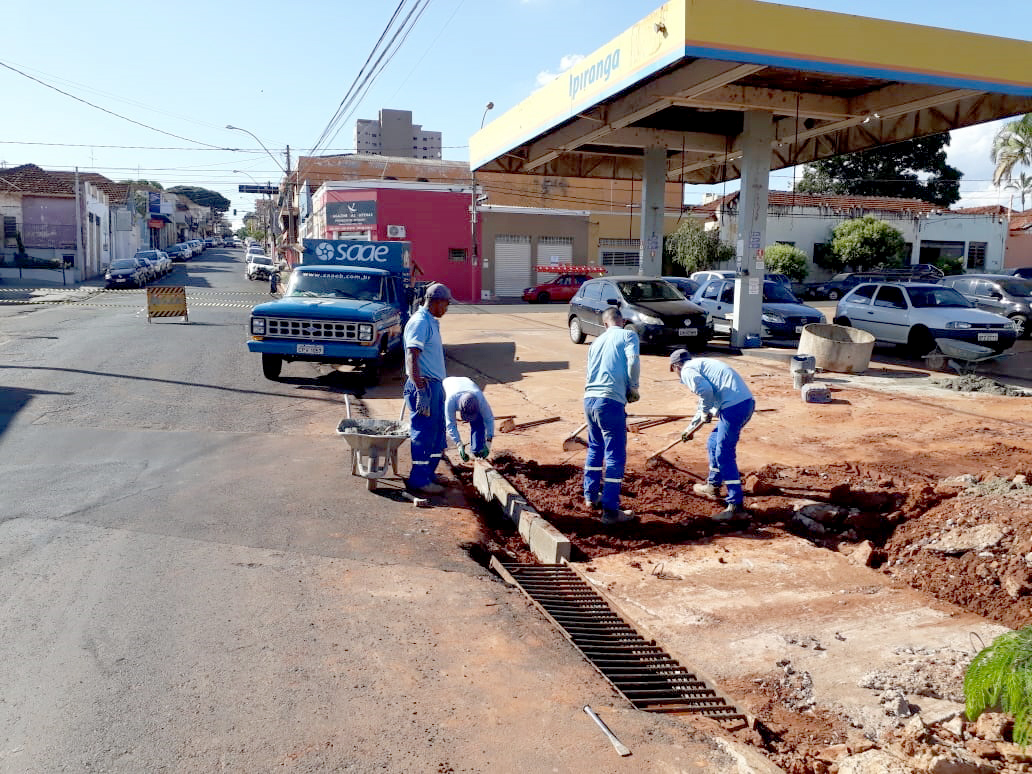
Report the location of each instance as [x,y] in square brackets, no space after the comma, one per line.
[611,383]
[722,394]
[463,397]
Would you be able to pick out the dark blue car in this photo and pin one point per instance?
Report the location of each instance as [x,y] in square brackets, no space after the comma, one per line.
[783,315]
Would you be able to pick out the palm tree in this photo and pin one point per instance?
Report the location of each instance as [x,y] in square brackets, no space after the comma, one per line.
[1023,186]
[1012,146]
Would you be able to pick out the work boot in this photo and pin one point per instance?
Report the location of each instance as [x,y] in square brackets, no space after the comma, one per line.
[616,516]
[733,512]
[592,505]
[712,491]
[427,489]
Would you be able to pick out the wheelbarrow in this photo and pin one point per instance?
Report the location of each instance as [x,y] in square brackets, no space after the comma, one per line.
[374,445]
[962,356]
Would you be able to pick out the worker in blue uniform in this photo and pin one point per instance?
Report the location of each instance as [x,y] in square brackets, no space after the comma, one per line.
[424,393]
[611,383]
[722,394]
[462,397]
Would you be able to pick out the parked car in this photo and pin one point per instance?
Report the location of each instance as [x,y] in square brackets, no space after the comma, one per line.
[916,314]
[702,276]
[1000,293]
[655,309]
[197,245]
[179,252]
[840,284]
[259,266]
[562,288]
[148,260]
[208,242]
[1025,272]
[162,262]
[125,273]
[782,316]
[686,285]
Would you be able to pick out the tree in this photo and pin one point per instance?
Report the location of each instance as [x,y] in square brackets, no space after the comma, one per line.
[1012,147]
[1001,676]
[203,197]
[866,243]
[1023,186]
[914,169]
[787,260]
[693,248]
[151,183]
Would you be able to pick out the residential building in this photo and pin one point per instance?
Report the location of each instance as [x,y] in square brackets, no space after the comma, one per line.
[1019,241]
[394,134]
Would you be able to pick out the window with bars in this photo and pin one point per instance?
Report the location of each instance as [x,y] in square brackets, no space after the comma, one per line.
[457,255]
[619,252]
[976,255]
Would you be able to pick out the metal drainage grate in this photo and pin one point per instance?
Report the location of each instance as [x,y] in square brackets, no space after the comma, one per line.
[639,669]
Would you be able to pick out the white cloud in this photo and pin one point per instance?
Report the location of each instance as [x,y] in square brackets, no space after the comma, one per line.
[565,64]
[969,151]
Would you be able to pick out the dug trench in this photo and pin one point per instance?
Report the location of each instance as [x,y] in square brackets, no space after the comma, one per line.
[964,539]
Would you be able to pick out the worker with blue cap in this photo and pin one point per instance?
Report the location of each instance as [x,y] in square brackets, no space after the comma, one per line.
[424,393]
[463,397]
[611,383]
[722,394]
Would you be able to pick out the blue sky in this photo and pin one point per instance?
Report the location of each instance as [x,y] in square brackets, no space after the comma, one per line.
[280,70]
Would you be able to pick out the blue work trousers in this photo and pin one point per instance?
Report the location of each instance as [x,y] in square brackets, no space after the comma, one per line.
[477,435]
[607,450]
[426,432]
[722,449]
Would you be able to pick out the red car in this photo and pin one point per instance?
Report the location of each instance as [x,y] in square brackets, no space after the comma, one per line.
[562,288]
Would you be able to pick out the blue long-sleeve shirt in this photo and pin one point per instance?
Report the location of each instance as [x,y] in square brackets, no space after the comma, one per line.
[717,385]
[613,365]
[454,387]
[423,332]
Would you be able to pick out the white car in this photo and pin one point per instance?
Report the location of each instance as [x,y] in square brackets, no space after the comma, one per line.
[916,314]
[259,266]
[702,276]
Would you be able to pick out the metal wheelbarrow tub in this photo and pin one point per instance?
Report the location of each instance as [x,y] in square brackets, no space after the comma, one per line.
[374,446]
[963,356]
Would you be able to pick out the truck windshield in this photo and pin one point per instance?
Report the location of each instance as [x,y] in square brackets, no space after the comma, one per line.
[364,287]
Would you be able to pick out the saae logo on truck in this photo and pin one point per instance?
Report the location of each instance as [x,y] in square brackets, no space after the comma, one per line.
[352,252]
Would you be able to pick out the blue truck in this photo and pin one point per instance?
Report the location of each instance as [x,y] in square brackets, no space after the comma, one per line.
[346,302]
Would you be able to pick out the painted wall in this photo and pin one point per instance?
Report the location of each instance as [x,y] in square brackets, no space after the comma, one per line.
[493,224]
[1019,249]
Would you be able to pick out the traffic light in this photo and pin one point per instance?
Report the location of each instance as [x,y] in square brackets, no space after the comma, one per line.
[234,212]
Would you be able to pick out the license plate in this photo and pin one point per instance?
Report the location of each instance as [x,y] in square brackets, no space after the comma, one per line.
[687,332]
[309,349]
[988,336]
[799,329]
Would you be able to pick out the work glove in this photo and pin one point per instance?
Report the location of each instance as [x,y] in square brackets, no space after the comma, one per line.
[708,415]
[483,451]
[688,432]
[463,454]
[633,396]
[423,402]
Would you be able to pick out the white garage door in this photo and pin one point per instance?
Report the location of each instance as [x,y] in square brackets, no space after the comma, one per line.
[552,251]
[512,265]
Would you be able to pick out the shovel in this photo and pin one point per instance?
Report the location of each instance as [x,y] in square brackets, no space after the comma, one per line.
[572,442]
[690,432]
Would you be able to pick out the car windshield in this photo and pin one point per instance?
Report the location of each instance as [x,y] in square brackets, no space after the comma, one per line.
[123,264]
[776,293]
[648,290]
[264,260]
[1017,288]
[364,287]
[924,298]
[839,278]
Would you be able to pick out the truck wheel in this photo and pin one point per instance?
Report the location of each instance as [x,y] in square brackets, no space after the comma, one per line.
[271,366]
[576,334]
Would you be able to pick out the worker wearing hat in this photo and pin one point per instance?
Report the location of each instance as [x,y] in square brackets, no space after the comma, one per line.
[722,394]
[611,383]
[463,397]
[424,393]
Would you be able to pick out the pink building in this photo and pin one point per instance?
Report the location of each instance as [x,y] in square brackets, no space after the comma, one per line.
[435,218]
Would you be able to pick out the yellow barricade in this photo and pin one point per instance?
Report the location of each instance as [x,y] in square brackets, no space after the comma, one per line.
[166,301]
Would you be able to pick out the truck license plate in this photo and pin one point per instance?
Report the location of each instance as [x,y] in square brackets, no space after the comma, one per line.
[309,349]
[988,336]
[687,332]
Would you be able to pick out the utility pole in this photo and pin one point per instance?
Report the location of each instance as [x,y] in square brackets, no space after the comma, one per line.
[291,235]
[78,232]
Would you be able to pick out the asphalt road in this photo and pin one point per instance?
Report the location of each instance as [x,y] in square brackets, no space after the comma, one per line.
[191,581]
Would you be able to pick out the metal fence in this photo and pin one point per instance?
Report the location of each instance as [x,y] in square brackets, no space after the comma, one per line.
[46,235]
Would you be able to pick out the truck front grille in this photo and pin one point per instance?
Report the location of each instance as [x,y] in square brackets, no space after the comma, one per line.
[324,330]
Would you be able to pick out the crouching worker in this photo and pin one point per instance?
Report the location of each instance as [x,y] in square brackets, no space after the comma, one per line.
[463,397]
[724,395]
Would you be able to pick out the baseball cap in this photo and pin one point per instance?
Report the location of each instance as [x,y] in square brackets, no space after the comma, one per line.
[438,292]
[679,357]
[469,407]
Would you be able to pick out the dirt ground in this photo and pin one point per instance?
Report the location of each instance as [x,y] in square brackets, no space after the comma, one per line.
[923,487]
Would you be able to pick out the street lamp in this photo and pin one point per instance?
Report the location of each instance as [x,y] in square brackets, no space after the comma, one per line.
[286,175]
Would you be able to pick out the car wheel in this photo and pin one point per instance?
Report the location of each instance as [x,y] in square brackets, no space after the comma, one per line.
[833,295]
[843,321]
[920,341]
[1021,323]
[576,334]
[271,366]
[543,297]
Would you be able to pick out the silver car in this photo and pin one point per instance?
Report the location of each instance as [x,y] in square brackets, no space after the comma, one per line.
[1000,293]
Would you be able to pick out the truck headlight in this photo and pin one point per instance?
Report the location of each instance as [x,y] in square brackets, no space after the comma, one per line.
[258,326]
[955,324]
[365,332]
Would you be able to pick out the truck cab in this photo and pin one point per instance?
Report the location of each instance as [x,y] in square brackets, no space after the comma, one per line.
[346,303]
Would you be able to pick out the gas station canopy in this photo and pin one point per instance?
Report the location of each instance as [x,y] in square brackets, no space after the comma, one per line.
[683,78]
